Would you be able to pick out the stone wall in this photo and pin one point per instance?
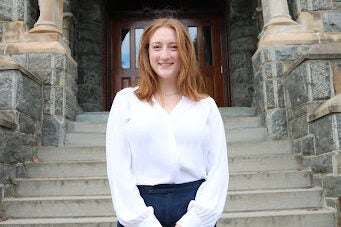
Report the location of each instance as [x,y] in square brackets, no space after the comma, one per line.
[320,146]
[327,12]
[299,6]
[59,73]
[270,64]
[38,89]
[69,23]
[19,10]
[48,56]
[24,11]
[243,44]
[309,86]
[297,72]
[89,54]
[21,106]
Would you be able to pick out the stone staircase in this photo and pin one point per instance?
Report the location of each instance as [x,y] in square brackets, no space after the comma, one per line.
[268,184]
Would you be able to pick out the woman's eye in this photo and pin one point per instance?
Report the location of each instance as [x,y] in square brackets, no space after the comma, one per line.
[156,47]
[174,47]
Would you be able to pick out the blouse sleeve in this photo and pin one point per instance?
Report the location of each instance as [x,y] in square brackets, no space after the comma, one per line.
[129,205]
[210,199]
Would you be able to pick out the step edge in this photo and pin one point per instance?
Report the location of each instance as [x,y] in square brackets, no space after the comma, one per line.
[284,212]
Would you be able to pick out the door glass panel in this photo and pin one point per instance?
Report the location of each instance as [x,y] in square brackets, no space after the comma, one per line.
[207,45]
[125,48]
[193,32]
[138,34]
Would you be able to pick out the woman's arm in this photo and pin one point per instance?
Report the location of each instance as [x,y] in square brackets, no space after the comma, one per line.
[210,199]
[129,205]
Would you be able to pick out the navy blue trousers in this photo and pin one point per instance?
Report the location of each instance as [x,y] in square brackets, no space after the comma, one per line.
[170,201]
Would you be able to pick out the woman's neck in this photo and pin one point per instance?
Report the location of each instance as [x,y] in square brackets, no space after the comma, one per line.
[166,88]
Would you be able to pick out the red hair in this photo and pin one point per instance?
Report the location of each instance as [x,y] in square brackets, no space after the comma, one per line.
[189,81]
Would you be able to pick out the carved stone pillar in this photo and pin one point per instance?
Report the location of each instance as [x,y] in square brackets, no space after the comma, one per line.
[276,12]
[51,17]
[68,24]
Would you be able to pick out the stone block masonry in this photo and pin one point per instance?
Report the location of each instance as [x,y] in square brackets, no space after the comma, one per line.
[332,21]
[59,73]
[19,10]
[305,83]
[242,44]
[269,65]
[27,125]
[298,6]
[21,106]
[294,76]
[314,119]
[89,54]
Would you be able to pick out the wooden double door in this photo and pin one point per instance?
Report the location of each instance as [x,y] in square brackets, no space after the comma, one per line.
[124,44]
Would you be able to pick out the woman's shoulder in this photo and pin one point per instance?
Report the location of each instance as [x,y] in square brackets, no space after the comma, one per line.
[208,100]
[204,105]
[125,96]
[126,93]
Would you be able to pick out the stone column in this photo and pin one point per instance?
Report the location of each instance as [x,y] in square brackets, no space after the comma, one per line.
[276,12]
[68,24]
[51,17]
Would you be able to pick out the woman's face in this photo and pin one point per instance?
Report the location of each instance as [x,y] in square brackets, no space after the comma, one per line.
[163,53]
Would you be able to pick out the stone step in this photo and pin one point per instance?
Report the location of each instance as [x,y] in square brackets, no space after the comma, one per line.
[85,139]
[98,153]
[270,180]
[48,154]
[98,139]
[241,122]
[99,185]
[61,222]
[226,112]
[277,199]
[292,218]
[240,164]
[323,217]
[62,186]
[92,127]
[66,169]
[98,168]
[100,127]
[88,206]
[58,206]
[245,135]
[266,181]
[266,147]
[92,116]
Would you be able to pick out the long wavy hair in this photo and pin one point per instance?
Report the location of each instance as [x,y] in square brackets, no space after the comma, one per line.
[189,81]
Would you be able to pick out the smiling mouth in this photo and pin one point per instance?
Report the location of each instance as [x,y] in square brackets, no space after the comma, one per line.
[166,64]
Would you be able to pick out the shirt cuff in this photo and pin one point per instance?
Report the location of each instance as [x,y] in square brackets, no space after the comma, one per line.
[150,221]
[190,219]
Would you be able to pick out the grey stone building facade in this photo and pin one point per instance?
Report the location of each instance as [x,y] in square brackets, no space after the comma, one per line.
[283,58]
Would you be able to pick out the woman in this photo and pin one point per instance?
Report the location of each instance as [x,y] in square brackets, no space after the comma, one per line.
[165,142]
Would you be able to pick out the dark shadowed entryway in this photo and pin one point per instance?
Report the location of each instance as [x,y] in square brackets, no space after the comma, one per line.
[125,23]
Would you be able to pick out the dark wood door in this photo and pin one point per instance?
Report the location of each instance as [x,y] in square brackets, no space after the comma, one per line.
[124,46]
[206,38]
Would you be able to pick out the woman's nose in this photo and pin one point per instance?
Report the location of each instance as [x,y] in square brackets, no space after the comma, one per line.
[164,53]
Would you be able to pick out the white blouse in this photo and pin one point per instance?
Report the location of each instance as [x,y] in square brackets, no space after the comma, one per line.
[145,145]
